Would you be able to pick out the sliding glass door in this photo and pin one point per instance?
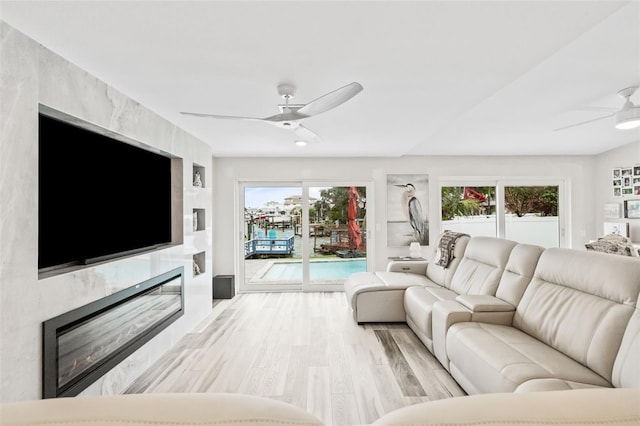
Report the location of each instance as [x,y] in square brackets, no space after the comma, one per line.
[301,236]
[336,234]
[272,253]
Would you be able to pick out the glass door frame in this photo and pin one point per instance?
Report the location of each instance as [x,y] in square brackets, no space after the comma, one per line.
[304,185]
[563,184]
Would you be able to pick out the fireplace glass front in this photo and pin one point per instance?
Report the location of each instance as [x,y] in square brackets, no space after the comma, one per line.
[83,344]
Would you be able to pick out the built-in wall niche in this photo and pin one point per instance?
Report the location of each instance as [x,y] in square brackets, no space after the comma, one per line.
[198,263]
[198,220]
[198,176]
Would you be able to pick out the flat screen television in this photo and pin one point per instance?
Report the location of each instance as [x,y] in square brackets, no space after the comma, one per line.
[99,198]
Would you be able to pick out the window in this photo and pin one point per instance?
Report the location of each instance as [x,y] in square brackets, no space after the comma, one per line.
[528,212]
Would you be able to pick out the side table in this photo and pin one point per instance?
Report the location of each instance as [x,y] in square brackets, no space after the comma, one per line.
[414,265]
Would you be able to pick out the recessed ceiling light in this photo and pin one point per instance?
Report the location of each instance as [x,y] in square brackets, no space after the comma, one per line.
[301,143]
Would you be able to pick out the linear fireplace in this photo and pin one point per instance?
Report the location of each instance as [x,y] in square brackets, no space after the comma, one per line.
[82,345]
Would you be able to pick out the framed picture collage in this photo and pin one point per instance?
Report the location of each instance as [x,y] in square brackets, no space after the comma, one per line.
[626,181]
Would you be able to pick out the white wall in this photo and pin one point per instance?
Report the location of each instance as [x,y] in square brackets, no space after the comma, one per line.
[31,74]
[624,156]
[577,171]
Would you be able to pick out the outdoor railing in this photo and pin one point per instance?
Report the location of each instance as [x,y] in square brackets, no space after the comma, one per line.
[267,246]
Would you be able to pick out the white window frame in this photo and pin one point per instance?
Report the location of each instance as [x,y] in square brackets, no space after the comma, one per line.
[503,181]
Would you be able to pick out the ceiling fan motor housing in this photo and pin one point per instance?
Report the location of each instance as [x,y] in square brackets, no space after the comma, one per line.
[628,117]
[286,90]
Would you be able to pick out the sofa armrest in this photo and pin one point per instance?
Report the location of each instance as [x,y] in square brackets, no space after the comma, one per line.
[484,303]
[410,266]
[489,309]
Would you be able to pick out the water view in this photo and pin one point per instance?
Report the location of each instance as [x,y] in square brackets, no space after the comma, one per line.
[273,232]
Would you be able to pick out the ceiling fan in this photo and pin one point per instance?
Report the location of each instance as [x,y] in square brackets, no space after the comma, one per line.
[291,115]
[626,118]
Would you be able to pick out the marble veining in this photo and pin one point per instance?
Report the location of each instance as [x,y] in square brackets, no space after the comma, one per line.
[32,75]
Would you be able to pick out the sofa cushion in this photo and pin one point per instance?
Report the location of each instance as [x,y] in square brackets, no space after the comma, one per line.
[518,272]
[579,303]
[546,385]
[481,266]
[486,358]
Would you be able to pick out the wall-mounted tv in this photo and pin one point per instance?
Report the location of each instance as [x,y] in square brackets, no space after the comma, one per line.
[99,197]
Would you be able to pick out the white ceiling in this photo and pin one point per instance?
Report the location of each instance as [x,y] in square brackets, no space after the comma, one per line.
[440,77]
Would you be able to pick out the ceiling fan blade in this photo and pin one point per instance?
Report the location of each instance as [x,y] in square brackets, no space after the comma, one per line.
[331,99]
[597,108]
[306,134]
[584,122]
[226,117]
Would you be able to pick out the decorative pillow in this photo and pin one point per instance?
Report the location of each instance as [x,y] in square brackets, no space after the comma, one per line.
[613,244]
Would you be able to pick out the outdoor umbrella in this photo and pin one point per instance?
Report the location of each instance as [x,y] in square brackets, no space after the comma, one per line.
[355,239]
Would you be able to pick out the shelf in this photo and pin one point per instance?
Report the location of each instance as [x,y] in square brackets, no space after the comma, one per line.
[198,220]
[198,176]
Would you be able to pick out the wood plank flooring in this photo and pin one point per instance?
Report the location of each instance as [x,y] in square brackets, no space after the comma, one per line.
[304,349]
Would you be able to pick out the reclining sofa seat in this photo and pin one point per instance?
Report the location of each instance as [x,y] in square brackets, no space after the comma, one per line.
[496,309]
[566,333]
[478,272]
[379,296]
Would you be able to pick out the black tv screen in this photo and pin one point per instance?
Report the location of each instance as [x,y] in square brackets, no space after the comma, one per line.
[99,198]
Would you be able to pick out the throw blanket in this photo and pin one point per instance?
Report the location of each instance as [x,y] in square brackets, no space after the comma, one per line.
[613,244]
[446,246]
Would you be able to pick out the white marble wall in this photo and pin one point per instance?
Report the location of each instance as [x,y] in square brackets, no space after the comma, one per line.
[31,74]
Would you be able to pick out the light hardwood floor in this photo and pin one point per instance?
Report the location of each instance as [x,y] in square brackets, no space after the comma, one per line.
[304,349]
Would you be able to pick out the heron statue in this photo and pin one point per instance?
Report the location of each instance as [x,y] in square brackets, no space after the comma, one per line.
[413,211]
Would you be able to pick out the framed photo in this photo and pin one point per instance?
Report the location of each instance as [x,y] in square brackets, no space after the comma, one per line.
[616,173]
[618,181]
[617,228]
[612,210]
[636,170]
[632,209]
[407,210]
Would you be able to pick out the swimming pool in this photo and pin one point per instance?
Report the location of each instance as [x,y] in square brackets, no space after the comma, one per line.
[319,270]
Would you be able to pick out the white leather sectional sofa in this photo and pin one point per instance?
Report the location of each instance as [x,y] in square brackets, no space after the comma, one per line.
[509,317]
[588,407]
